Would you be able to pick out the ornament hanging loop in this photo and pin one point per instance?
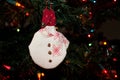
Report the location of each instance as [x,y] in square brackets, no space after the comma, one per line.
[48,2]
[51,4]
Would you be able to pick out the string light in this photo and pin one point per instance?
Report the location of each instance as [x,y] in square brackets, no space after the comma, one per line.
[18,30]
[104,43]
[84,0]
[42,74]
[92,30]
[90,44]
[7,67]
[89,36]
[19,5]
[115,76]
[90,15]
[114,0]
[94,1]
[105,71]
[39,75]
[15,3]
[115,59]
[27,14]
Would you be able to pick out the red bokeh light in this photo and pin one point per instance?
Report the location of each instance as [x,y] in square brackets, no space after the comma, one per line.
[105,71]
[84,0]
[115,59]
[115,76]
[114,0]
[7,67]
[110,49]
[89,36]
[27,14]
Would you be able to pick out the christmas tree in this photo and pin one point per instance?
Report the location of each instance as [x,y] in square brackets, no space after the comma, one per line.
[90,56]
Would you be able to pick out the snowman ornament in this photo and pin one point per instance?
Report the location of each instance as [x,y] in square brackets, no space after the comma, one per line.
[48,47]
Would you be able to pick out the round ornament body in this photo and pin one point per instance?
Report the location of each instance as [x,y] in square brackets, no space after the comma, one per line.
[48,47]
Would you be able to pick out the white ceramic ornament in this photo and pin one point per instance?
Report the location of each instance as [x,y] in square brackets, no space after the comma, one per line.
[48,47]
